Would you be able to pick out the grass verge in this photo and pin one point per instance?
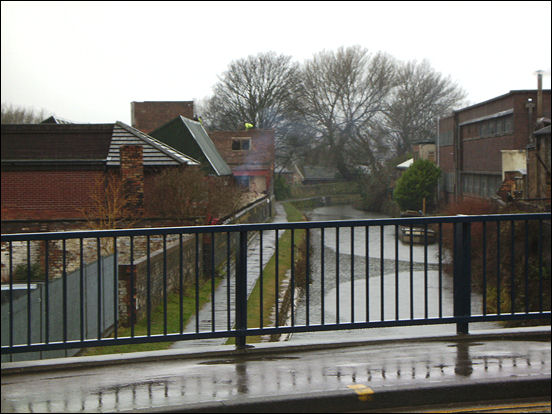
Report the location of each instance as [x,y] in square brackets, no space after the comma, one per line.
[157,321]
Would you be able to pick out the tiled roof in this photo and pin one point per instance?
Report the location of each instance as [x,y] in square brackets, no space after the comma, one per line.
[74,143]
[155,152]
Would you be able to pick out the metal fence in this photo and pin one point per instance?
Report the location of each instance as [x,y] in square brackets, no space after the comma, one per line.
[353,274]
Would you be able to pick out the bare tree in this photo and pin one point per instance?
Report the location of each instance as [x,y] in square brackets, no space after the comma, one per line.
[342,95]
[420,97]
[20,115]
[258,89]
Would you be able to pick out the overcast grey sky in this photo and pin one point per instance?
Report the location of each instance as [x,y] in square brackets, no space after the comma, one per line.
[86,61]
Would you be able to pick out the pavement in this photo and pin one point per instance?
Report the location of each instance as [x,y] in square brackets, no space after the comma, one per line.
[375,375]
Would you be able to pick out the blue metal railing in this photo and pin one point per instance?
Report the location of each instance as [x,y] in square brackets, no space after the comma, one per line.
[390,278]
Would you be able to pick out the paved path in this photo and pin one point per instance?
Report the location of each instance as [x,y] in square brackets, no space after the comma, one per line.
[281,378]
[222,318]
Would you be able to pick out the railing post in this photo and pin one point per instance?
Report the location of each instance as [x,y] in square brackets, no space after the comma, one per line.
[462,274]
[241,291]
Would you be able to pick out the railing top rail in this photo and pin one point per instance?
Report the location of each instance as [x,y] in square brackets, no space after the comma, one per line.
[270,226]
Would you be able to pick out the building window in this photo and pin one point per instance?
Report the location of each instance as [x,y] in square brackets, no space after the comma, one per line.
[508,128]
[492,127]
[241,144]
[499,126]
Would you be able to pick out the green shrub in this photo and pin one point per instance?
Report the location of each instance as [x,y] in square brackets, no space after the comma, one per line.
[417,183]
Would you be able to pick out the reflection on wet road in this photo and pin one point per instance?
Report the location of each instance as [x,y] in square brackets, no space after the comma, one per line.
[178,382]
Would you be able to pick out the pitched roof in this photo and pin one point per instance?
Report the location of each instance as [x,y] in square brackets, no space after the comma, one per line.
[404,165]
[82,143]
[155,152]
[190,136]
[55,142]
[56,120]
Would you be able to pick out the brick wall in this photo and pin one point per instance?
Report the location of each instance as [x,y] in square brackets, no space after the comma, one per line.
[149,115]
[47,194]
[260,154]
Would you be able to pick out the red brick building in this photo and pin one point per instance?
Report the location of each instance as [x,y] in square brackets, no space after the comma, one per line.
[250,155]
[52,171]
[149,115]
[472,141]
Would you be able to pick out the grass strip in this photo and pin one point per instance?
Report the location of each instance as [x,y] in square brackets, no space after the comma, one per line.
[157,314]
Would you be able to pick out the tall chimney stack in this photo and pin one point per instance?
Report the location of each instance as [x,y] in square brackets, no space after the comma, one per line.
[539,94]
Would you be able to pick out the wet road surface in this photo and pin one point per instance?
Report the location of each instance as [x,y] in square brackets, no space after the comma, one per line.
[271,374]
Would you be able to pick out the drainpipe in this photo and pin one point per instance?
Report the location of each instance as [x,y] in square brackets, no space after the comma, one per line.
[458,158]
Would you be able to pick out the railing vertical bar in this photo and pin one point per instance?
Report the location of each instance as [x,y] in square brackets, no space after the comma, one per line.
[29,291]
[322,248]
[396,272]
[132,299]
[382,271]
[484,264]
[337,274]
[540,248]
[228,277]
[213,322]
[462,275]
[148,285]
[526,267]
[276,279]
[440,270]
[292,277]
[512,273]
[241,291]
[47,289]
[367,270]
[115,290]
[10,249]
[99,298]
[498,267]
[165,284]
[197,282]
[352,274]
[307,278]
[181,283]
[411,273]
[64,276]
[261,322]
[81,289]
[425,273]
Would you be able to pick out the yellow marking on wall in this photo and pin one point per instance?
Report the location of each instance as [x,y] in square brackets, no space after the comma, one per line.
[364,392]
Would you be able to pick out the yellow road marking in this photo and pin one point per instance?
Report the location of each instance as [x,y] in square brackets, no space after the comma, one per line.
[364,392]
[493,407]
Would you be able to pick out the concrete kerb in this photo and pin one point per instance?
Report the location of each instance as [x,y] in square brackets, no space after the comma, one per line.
[7,368]
[378,399]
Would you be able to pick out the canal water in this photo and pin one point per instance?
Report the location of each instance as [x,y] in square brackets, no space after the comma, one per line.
[333,291]
[345,271]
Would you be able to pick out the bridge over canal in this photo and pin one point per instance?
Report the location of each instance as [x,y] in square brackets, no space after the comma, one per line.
[380,323]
